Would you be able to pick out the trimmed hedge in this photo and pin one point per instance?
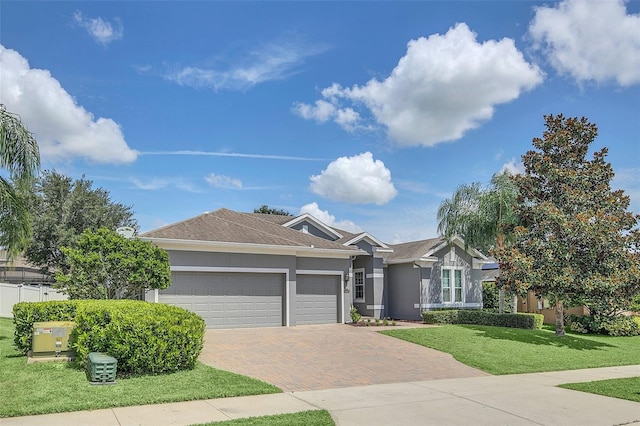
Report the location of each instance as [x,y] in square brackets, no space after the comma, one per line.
[477,317]
[145,338]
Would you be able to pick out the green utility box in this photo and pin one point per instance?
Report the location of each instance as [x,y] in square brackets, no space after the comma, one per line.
[102,368]
[51,339]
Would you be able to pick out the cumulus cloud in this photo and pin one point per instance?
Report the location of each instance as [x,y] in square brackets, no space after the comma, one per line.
[444,86]
[358,179]
[102,31]
[514,167]
[590,40]
[224,182]
[63,128]
[270,61]
[328,219]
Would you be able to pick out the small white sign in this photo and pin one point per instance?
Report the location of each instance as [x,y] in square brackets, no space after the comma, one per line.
[126,231]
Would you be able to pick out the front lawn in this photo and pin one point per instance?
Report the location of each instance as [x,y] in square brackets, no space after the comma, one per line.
[499,350]
[306,418]
[55,387]
[628,388]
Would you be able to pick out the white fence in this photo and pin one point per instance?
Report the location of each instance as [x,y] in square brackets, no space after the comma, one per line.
[10,294]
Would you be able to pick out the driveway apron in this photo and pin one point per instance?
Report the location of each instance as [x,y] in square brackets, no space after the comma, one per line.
[315,357]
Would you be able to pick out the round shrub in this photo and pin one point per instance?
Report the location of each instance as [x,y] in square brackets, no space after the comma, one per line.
[145,338]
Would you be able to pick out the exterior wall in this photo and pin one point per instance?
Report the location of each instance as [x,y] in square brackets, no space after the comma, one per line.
[313,230]
[472,280]
[374,288]
[404,291]
[532,304]
[265,261]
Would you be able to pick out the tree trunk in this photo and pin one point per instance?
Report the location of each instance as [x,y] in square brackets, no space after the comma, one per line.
[501,300]
[514,303]
[559,319]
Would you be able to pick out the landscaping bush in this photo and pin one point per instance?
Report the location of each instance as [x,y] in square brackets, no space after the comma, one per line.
[145,338]
[478,317]
[26,313]
[613,326]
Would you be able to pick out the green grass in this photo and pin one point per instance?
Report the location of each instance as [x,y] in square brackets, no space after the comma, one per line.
[306,418]
[56,387]
[499,350]
[616,388]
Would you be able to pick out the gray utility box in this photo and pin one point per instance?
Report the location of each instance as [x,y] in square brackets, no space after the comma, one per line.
[102,368]
[51,339]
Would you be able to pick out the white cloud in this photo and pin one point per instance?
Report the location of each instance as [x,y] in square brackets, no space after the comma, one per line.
[102,31]
[325,217]
[590,40]
[267,62]
[514,167]
[444,86]
[156,183]
[358,179]
[224,182]
[63,128]
[628,179]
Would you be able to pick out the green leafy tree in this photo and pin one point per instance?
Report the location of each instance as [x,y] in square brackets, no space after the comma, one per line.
[105,265]
[265,209]
[577,242]
[483,217]
[20,158]
[61,210]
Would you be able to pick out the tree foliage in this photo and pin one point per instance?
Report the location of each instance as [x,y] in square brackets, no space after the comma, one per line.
[105,265]
[20,158]
[61,210]
[577,243]
[265,209]
[482,217]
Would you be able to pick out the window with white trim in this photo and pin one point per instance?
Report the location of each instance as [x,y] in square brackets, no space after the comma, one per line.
[358,285]
[452,285]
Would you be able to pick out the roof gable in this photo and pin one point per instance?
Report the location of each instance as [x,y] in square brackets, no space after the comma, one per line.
[315,222]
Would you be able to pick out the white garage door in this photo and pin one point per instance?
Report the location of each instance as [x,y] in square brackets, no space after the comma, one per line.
[229,299]
[317,299]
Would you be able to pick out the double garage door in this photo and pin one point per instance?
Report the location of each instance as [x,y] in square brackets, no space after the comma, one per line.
[238,299]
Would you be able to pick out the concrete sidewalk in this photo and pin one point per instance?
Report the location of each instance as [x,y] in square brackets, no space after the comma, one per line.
[523,399]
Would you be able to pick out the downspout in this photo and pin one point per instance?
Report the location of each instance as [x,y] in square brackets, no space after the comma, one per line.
[420,288]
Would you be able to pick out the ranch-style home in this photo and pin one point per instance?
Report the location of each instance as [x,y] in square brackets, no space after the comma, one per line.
[250,270]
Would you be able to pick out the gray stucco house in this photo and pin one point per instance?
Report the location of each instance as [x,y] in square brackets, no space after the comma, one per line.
[249,269]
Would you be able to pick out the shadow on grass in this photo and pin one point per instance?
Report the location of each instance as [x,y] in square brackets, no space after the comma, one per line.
[537,337]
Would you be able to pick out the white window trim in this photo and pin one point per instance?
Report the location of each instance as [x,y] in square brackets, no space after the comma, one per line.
[364,281]
[452,285]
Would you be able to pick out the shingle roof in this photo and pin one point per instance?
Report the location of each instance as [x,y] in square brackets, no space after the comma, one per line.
[413,249]
[228,226]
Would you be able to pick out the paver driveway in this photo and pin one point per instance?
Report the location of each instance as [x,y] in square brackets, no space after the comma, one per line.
[314,357]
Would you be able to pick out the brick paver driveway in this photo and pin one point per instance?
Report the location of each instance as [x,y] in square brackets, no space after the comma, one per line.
[314,357]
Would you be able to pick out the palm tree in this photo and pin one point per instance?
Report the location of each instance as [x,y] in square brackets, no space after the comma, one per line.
[20,158]
[483,217]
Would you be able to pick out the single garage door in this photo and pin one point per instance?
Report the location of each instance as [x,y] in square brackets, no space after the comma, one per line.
[317,299]
[229,299]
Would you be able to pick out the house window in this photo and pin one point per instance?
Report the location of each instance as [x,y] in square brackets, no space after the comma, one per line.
[358,285]
[452,285]
[305,229]
[446,285]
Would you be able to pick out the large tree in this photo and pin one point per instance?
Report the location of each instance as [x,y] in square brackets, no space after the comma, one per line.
[61,210]
[106,265]
[484,217]
[577,242]
[20,158]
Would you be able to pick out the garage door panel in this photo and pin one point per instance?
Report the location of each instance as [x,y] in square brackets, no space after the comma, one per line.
[227,300]
[317,299]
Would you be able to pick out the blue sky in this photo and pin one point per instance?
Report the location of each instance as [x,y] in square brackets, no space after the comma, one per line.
[364,114]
